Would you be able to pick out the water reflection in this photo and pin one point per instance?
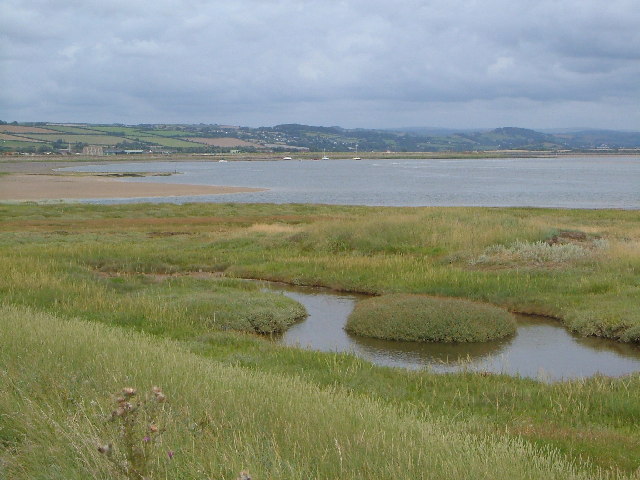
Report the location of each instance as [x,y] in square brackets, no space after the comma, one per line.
[541,348]
[440,355]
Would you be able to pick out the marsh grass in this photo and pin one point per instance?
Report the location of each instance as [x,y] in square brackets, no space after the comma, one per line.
[590,284]
[103,264]
[426,319]
[223,419]
[181,307]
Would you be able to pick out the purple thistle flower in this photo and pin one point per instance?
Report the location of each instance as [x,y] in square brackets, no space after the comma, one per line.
[146,439]
[170,454]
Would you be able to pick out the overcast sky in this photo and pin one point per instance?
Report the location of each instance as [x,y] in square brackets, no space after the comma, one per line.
[353,63]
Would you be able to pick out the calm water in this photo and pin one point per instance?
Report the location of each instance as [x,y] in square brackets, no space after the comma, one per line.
[567,182]
[541,349]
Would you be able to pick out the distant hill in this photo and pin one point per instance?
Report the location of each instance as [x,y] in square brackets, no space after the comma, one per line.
[600,139]
[201,138]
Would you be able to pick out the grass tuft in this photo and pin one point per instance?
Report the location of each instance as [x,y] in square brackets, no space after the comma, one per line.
[426,319]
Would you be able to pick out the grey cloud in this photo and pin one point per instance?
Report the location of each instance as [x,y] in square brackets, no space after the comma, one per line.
[208,61]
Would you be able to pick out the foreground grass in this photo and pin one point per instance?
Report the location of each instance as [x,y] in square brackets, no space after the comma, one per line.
[144,267]
[220,419]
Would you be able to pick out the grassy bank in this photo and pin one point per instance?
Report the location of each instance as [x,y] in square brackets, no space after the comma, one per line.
[217,419]
[144,267]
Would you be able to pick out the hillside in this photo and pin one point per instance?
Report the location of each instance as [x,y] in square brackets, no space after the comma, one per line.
[201,138]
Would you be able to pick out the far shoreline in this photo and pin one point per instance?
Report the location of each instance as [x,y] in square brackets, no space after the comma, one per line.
[41,163]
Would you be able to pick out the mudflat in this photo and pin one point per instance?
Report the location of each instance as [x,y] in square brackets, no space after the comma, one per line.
[23,187]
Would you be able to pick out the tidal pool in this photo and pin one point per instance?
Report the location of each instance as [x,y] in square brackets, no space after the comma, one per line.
[542,348]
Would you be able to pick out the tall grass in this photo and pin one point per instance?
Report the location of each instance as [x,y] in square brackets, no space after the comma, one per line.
[220,419]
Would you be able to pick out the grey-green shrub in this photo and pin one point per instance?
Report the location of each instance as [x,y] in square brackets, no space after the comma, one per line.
[536,253]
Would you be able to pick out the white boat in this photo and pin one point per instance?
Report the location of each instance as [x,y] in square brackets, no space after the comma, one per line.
[357,157]
[324,155]
[287,158]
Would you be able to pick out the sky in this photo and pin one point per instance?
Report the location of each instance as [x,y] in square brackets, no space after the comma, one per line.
[353,63]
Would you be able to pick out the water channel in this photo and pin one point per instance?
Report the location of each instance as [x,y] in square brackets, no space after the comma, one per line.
[542,348]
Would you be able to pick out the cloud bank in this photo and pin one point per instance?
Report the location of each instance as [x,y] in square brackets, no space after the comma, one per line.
[355,63]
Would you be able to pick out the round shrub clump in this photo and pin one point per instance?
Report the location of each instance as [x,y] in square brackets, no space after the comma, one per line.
[427,319]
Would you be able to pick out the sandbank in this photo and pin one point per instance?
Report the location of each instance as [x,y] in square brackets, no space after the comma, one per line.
[20,187]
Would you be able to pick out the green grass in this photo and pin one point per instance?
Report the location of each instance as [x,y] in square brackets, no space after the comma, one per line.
[426,319]
[221,419]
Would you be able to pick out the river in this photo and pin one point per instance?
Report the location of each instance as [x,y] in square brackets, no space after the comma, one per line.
[564,182]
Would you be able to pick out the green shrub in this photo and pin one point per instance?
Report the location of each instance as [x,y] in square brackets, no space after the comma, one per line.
[427,319]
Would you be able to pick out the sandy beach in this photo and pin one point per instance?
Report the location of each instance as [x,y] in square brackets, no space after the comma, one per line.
[25,187]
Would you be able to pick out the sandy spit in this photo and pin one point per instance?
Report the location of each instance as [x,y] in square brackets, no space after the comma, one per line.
[20,187]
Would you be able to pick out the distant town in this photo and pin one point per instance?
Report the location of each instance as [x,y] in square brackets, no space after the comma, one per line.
[117,139]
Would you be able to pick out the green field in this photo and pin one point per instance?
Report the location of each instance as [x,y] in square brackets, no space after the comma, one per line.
[171,133]
[128,131]
[104,297]
[168,142]
[73,130]
[10,144]
[73,138]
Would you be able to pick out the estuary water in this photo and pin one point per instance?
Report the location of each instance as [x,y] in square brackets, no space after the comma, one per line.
[565,182]
[541,349]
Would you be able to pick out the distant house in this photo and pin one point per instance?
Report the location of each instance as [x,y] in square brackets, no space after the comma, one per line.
[93,150]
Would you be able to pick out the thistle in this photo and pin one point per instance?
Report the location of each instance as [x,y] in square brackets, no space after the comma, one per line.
[137,430]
